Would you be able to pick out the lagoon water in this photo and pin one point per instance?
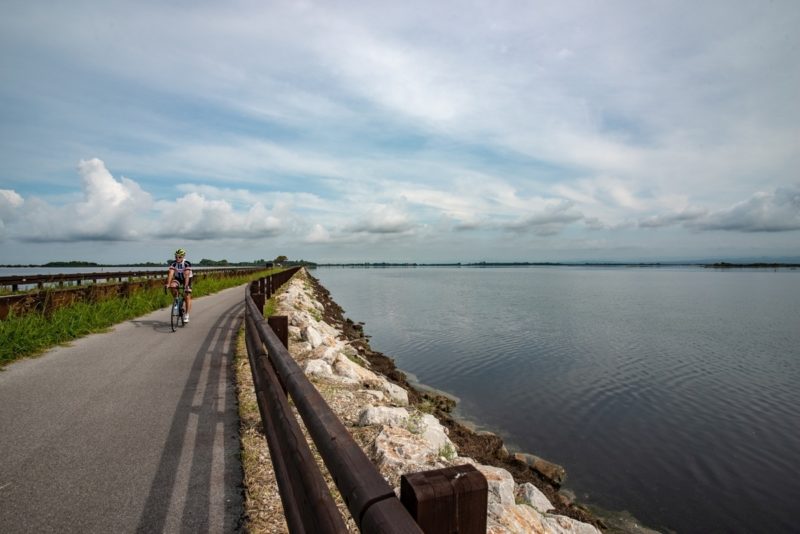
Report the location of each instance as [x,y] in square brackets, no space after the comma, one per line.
[672,393]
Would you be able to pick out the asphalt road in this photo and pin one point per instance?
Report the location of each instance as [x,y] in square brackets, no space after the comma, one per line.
[133,430]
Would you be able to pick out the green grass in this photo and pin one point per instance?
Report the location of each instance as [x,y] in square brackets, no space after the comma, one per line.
[32,333]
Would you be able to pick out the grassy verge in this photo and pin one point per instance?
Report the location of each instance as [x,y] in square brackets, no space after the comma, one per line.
[263,511]
[31,334]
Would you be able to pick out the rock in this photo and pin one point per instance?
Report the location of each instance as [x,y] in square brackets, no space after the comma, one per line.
[318,368]
[436,434]
[501,484]
[383,415]
[503,453]
[553,472]
[302,347]
[328,354]
[313,337]
[566,497]
[344,367]
[529,494]
[377,395]
[398,449]
[395,392]
[506,518]
[561,524]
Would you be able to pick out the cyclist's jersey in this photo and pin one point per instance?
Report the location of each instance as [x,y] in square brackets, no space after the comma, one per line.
[180,268]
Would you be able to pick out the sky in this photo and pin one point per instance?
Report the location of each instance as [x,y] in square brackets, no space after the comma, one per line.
[414,131]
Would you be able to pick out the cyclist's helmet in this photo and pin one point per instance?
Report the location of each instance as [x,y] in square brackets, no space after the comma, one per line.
[180,252]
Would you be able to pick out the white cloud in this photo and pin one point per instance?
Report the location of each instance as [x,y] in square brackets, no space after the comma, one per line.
[108,211]
[383,220]
[548,221]
[318,234]
[778,211]
[684,216]
[398,120]
[10,203]
[193,216]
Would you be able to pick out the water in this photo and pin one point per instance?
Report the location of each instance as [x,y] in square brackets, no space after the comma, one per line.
[671,393]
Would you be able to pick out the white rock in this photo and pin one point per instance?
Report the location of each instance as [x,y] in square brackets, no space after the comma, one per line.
[397,394]
[501,484]
[311,335]
[329,354]
[377,395]
[561,524]
[398,448]
[301,347]
[383,415]
[508,518]
[436,434]
[318,368]
[344,367]
[294,332]
[533,496]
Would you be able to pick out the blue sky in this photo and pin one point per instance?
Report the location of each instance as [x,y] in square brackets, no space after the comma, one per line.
[399,131]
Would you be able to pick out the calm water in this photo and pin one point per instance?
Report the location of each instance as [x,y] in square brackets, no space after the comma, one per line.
[673,393]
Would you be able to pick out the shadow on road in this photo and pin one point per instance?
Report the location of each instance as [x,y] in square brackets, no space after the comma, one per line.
[157,326]
[198,426]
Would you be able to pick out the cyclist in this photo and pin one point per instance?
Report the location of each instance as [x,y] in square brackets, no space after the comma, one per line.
[180,272]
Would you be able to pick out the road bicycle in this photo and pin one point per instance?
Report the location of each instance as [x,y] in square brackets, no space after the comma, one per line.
[177,310]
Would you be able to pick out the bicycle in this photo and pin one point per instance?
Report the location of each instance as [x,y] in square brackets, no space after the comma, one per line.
[177,310]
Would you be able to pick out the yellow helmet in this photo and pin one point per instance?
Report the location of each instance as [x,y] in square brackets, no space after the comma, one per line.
[180,252]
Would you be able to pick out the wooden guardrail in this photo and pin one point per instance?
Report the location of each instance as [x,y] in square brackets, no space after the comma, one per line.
[55,293]
[441,501]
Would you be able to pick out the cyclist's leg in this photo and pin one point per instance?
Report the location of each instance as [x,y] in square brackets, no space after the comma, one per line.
[188,297]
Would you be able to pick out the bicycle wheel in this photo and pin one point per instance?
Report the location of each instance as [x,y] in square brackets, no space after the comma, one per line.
[175,314]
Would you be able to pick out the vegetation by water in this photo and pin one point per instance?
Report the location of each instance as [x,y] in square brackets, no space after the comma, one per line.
[31,334]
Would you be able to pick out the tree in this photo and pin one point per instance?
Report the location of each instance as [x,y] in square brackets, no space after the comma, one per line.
[280,259]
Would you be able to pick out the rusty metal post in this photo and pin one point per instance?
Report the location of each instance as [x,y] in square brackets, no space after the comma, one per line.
[443,501]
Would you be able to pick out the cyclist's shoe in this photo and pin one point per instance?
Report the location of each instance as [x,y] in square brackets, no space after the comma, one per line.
[186,318]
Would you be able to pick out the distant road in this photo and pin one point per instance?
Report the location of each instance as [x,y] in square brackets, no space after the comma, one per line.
[133,430]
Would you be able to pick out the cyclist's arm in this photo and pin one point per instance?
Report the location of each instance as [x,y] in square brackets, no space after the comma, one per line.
[187,275]
[170,274]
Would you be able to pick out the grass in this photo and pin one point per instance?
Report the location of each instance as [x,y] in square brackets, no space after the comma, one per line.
[31,334]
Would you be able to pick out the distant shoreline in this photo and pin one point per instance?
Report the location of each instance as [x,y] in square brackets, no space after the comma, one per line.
[716,265]
[719,265]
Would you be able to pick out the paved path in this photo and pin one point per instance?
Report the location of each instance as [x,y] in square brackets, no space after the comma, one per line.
[133,430]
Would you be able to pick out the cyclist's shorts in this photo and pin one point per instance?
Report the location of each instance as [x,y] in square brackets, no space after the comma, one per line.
[177,284]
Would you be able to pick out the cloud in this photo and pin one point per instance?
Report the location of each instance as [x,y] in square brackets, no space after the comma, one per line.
[318,234]
[368,121]
[10,204]
[685,216]
[193,216]
[383,220]
[112,210]
[778,211]
[547,222]
[108,211]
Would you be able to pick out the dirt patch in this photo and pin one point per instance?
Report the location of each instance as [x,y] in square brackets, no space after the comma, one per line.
[483,447]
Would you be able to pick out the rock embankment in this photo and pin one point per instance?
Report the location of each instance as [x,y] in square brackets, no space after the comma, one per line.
[404,430]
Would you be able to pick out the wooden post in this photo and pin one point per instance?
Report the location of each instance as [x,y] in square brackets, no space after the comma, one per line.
[447,501]
[280,325]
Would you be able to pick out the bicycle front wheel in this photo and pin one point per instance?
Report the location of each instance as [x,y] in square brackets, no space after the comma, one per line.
[174,315]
